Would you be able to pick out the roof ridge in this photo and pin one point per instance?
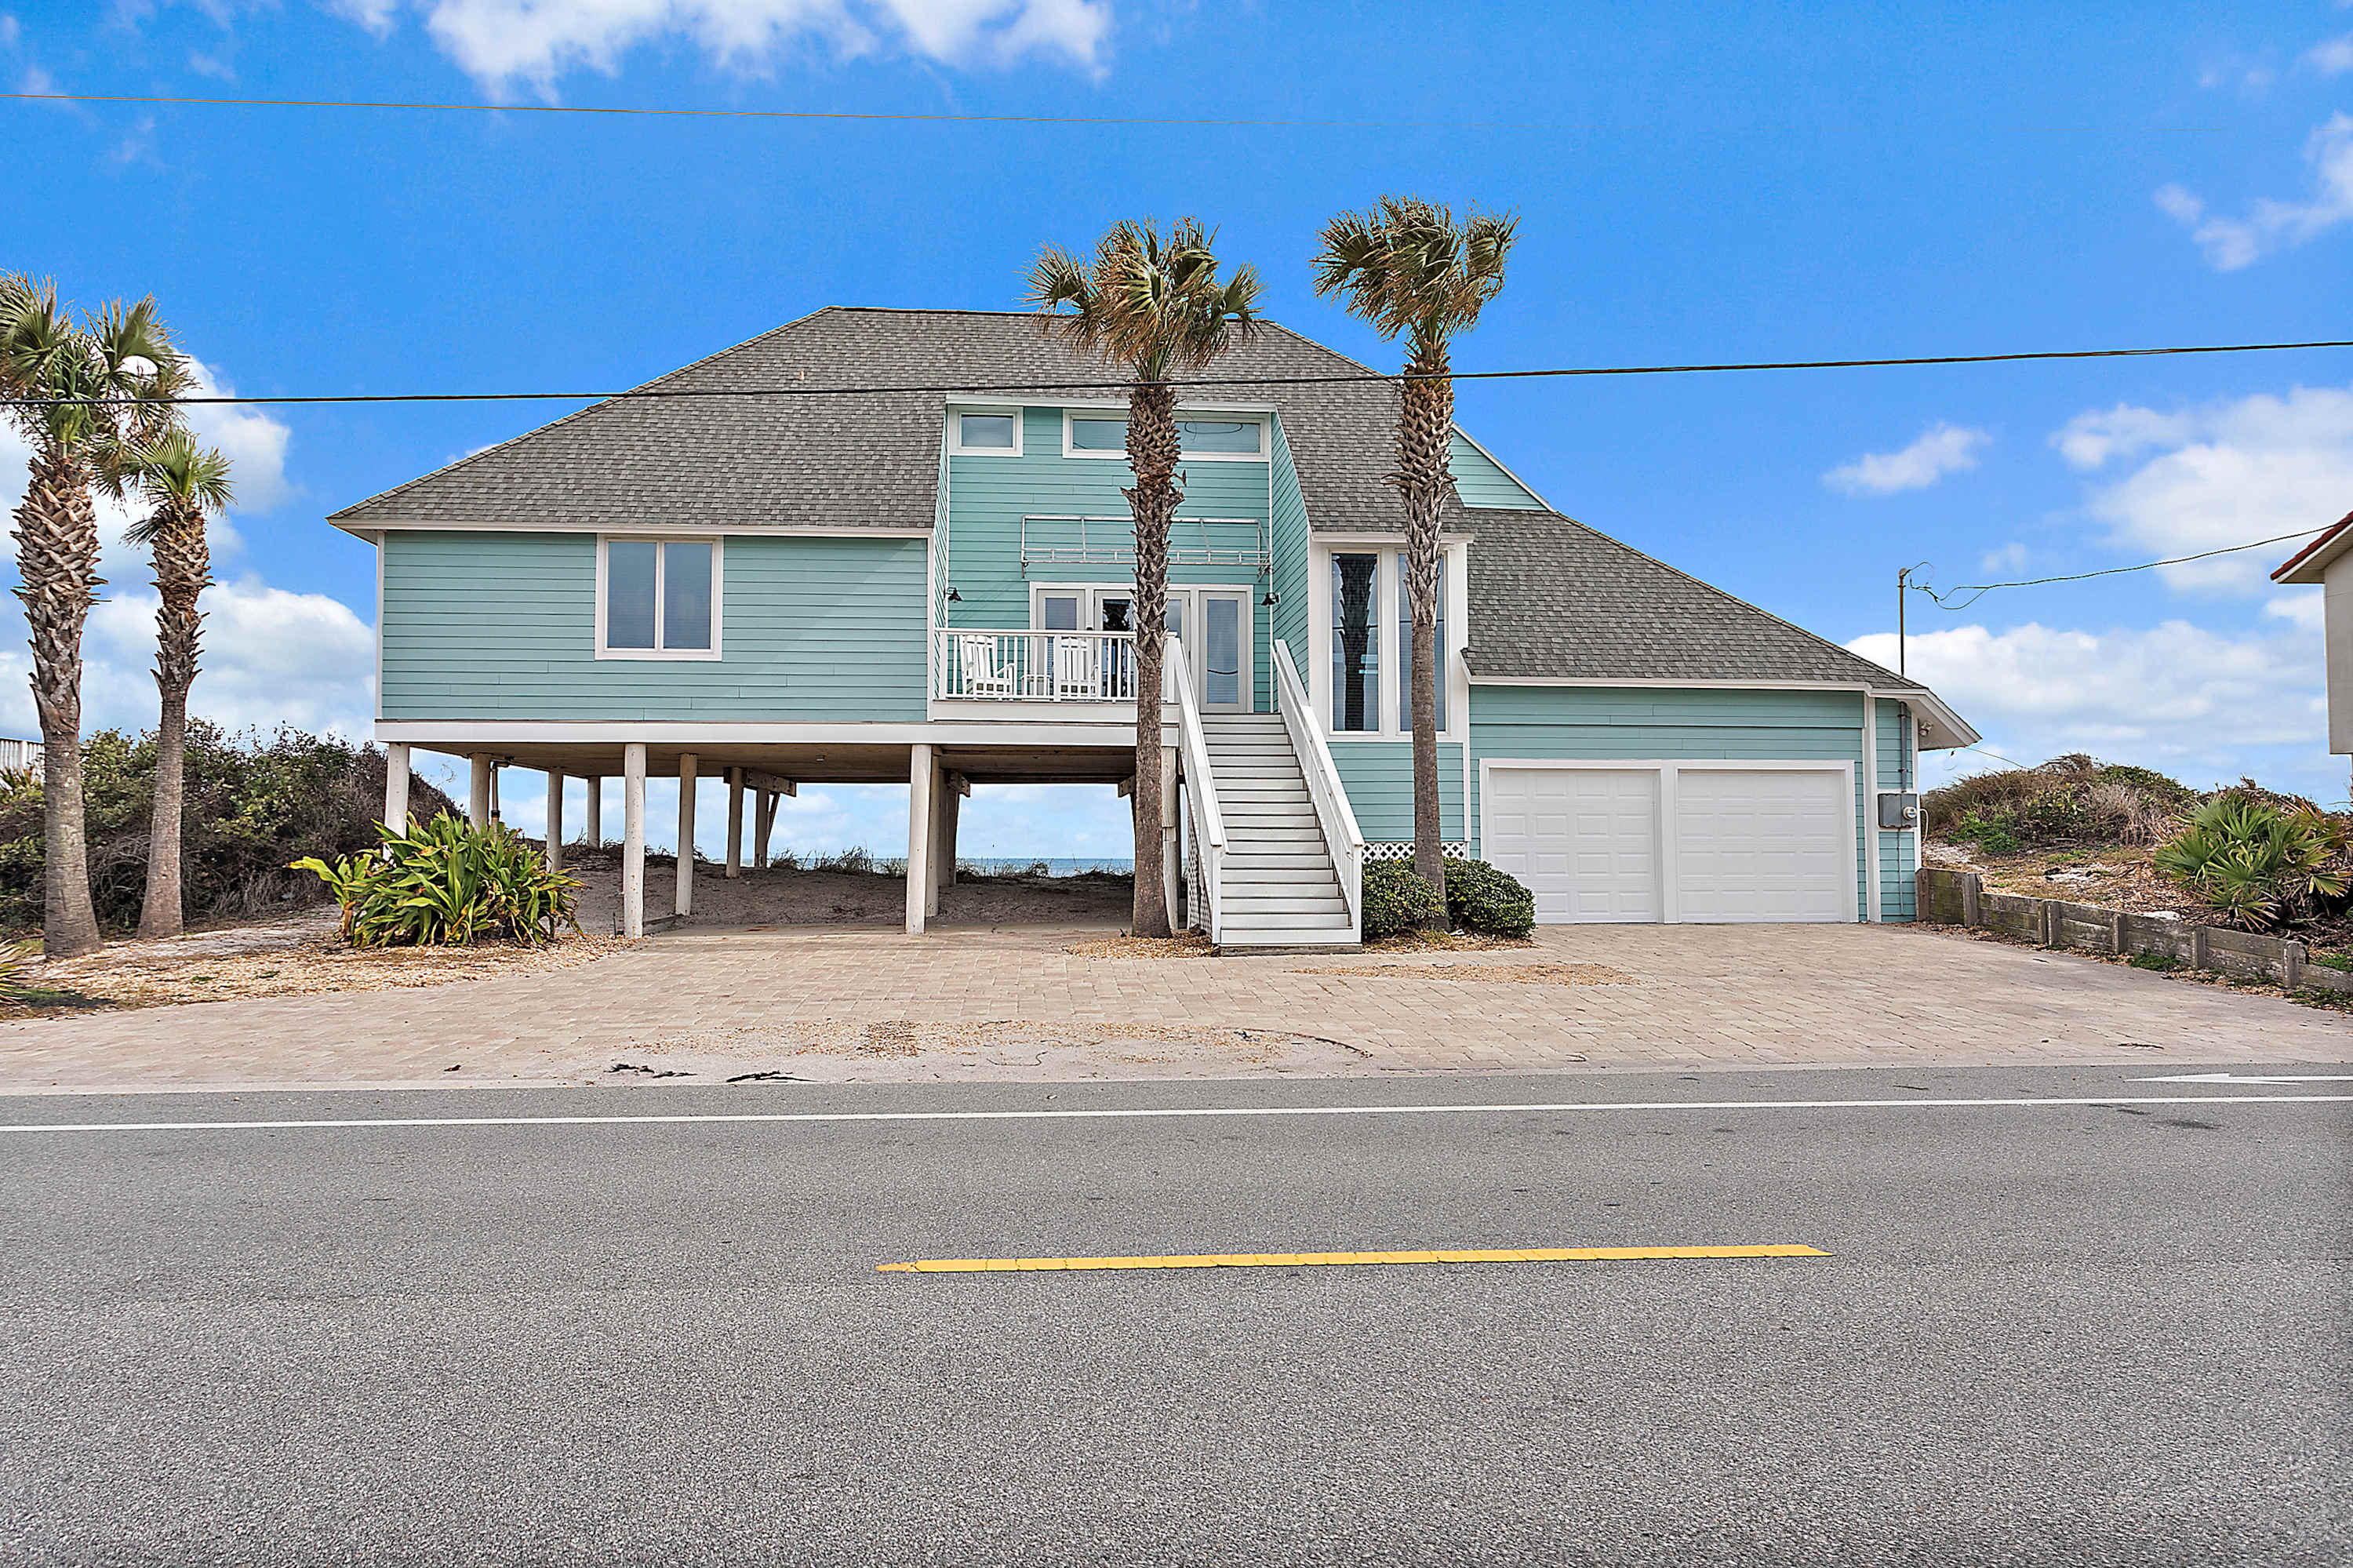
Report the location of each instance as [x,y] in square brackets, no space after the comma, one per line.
[496,447]
[1901,682]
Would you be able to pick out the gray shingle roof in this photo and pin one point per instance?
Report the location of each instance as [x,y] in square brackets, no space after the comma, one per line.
[865,461]
[1552,598]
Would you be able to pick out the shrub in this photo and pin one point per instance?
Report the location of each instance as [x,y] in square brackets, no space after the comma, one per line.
[2258,864]
[448,883]
[1992,834]
[254,803]
[1481,898]
[1395,898]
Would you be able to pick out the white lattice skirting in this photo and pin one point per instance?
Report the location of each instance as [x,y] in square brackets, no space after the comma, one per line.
[1405,850]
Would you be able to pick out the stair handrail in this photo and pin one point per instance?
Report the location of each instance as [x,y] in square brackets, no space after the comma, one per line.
[1200,785]
[1341,835]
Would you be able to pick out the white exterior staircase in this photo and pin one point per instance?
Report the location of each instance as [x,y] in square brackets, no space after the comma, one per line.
[1279,884]
[1277,854]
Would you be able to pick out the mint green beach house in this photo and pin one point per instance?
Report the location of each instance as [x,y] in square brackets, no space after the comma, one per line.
[936,587]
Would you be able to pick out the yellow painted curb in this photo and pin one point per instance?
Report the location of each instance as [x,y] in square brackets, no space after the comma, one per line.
[1296,1259]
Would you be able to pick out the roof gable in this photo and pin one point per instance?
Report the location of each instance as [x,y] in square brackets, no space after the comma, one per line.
[870,460]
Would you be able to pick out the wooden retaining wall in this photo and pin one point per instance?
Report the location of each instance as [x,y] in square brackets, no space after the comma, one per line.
[1950,897]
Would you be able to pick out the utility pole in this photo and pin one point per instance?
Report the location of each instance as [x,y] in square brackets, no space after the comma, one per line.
[1901,578]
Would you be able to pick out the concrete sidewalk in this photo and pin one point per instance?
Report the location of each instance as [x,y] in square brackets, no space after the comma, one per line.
[834,1004]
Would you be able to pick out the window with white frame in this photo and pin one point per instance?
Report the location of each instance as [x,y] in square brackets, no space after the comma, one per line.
[658,598]
[985,432]
[1234,437]
[1364,619]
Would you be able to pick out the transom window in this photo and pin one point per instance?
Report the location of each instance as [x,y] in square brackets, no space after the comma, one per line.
[658,598]
[1240,438]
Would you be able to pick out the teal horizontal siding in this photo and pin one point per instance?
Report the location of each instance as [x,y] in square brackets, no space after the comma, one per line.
[1673,724]
[1480,481]
[503,626]
[1898,852]
[1288,545]
[1379,778]
[989,497]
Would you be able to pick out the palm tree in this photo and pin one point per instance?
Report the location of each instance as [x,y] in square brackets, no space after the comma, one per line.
[77,391]
[182,483]
[1407,267]
[1152,304]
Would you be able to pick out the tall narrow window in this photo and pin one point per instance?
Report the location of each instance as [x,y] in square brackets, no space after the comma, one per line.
[661,598]
[1404,647]
[1222,653]
[1355,643]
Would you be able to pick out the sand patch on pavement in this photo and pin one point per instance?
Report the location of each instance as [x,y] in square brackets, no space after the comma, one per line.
[1507,974]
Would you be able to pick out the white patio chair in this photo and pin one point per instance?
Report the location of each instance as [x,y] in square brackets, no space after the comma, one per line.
[1075,672]
[984,669]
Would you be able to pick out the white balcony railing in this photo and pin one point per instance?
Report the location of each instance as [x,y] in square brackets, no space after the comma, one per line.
[1032,666]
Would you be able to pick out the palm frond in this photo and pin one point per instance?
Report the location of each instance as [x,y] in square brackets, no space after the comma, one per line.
[1147,300]
[1407,266]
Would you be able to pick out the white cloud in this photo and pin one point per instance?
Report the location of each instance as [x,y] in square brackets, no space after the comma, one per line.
[9,31]
[537,41]
[2009,558]
[2331,57]
[2299,606]
[254,443]
[2185,699]
[2231,243]
[1941,450]
[2224,474]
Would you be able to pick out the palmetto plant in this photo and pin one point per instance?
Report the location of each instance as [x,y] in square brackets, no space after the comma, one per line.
[1408,267]
[1153,304]
[448,883]
[182,483]
[2259,866]
[78,391]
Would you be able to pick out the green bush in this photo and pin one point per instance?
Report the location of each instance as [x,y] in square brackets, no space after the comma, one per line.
[253,803]
[448,883]
[1994,834]
[1395,898]
[1481,898]
[2258,866]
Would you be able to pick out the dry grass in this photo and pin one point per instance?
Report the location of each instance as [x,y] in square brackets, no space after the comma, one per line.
[1184,944]
[168,974]
[1444,942]
[1504,974]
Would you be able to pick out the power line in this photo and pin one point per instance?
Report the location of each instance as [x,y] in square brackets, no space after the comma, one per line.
[788,113]
[1978,591]
[875,115]
[1358,378]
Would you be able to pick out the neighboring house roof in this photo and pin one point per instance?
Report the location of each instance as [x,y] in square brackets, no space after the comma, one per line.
[868,461]
[1553,599]
[2309,564]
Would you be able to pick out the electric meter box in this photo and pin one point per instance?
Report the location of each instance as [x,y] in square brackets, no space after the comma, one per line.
[1899,812]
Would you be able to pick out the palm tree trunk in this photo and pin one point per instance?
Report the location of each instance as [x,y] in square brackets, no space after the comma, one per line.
[1152,453]
[1425,427]
[182,572]
[57,562]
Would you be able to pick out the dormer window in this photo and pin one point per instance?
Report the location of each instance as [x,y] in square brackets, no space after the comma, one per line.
[985,432]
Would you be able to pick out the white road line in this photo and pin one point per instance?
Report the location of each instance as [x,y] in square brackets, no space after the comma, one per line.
[2251,1078]
[1169,1112]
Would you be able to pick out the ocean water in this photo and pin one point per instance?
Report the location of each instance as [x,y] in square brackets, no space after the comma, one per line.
[1055,867]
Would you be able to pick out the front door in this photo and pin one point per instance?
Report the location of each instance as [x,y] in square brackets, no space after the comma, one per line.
[1222,651]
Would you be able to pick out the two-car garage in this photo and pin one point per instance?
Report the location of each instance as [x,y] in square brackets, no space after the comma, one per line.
[1690,842]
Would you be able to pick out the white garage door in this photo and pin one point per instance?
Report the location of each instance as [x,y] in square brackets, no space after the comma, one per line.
[1585,841]
[1751,844]
[1761,846]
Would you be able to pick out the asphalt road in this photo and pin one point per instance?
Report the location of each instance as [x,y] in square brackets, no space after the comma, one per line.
[2080,1334]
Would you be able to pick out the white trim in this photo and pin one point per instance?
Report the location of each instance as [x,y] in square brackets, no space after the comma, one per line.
[1541,503]
[374,532]
[1388,587]
[956,412]
[1869,803]
[1260,418]
[457,735]
[1668,798]
[661,565]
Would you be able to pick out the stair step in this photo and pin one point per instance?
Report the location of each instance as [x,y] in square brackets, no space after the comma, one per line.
[1238,924]
[1317,874]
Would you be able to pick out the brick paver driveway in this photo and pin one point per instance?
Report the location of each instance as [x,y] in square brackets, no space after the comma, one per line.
[836,1004]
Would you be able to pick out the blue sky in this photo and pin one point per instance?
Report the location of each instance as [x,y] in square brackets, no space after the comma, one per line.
[1716,182]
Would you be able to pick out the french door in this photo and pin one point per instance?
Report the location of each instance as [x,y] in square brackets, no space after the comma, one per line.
[1215,624]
